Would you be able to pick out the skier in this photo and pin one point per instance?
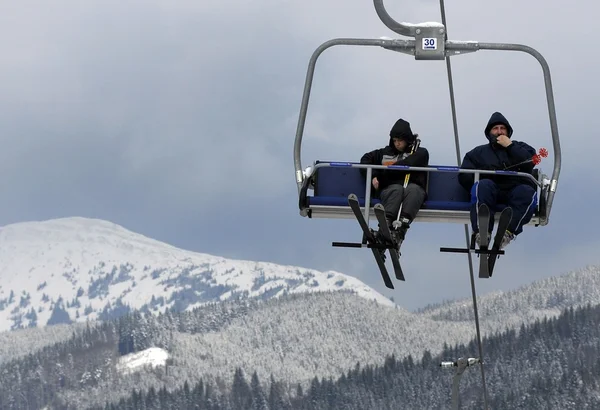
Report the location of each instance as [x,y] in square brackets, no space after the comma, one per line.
[389,185]
[519,193]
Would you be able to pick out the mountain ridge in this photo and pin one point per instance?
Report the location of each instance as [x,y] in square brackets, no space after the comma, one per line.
[77,269]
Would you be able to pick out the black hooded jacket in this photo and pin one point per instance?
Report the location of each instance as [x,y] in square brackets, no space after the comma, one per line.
[391,156]
[493,156]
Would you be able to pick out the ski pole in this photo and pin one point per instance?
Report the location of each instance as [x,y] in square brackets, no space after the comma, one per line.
[416,145]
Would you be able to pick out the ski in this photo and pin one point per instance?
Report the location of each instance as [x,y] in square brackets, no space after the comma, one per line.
[385,230]
[483,220]
[375,246]
[504,220]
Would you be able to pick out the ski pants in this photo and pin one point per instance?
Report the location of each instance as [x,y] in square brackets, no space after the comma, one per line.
[522,199]
[411,198]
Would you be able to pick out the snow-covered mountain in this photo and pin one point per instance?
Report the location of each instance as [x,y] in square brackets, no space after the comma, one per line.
[543,298]
[74,269]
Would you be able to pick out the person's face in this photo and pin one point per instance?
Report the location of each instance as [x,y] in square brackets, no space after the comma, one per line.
[400,144]
[498,130]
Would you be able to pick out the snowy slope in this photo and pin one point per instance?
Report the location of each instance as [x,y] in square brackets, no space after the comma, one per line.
[74,269]
[544,297]
[151,357]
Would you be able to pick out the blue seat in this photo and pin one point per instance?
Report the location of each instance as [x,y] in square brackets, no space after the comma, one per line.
[334,184]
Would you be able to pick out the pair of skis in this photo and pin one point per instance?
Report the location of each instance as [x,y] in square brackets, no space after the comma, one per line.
[376,244]
[487,257]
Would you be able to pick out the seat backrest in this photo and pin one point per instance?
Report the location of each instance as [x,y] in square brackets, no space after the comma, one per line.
[444,187]
[444,192]
[342,181]
[339,182]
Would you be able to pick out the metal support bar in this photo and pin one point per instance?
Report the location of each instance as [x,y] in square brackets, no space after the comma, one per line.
[368,194]
[468,250]
[461,365]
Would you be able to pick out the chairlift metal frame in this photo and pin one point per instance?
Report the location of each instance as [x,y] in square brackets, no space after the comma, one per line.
[429,44]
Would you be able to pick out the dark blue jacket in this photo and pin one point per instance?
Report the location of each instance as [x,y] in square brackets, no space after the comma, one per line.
[493,156]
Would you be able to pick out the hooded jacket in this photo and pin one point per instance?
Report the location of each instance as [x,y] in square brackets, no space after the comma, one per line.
[493,156]
[391,156]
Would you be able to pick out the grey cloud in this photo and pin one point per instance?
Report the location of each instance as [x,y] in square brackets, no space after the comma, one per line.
[177,121]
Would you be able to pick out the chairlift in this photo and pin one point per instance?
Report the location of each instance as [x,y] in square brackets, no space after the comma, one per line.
[324,187]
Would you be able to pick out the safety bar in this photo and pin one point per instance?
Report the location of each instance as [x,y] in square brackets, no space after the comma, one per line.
[311,170]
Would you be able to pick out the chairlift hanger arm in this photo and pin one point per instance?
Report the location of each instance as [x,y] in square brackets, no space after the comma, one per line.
[400,28]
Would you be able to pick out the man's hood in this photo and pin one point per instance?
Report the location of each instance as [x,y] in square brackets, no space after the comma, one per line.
[495,119]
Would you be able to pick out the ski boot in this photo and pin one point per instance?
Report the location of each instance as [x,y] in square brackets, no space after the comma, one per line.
[379,240]
[399,229]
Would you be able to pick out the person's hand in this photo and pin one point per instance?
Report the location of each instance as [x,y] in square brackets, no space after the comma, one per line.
[375,183]
[503,140]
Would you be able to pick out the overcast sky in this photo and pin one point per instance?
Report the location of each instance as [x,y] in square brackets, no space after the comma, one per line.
[176,119]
